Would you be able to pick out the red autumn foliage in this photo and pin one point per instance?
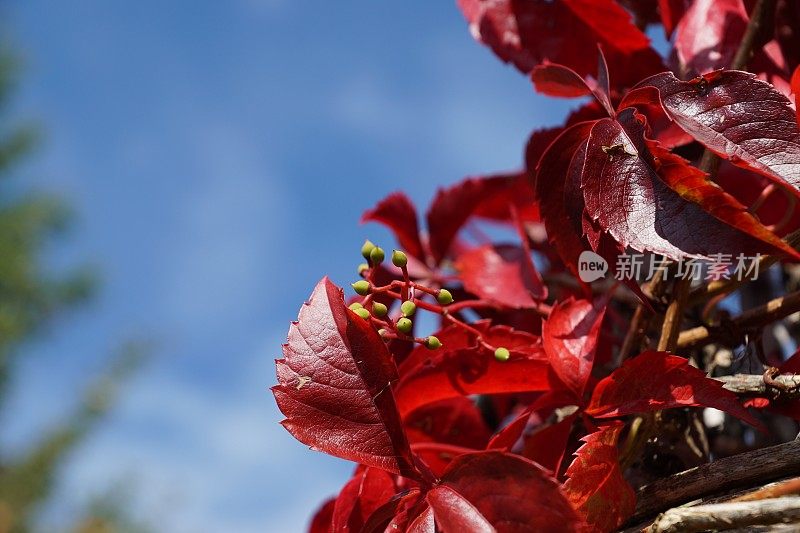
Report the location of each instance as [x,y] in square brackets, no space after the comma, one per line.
[522,412]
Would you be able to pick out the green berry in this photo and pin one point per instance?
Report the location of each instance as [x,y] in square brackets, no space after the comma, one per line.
[502,354]
[379,310]
[432,343]
[408,308]
[404,325]
[363,313]
[367,248]
[355,305]
[362,267]
[361,287]
[444,297]
[399,259]
[376,256]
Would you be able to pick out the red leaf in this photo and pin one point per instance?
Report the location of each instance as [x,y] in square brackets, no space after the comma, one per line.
[518,192]
[321,522]
[453,421]
[504,491]
[654,381]
[671,13]
[796,91]
[709,34]
[529,33]
[453,206]
[398,213]
[569,337]
[367,490]
[333,386]
[738,117]
[500,274]
[438,456]
[548,444]
[675,214]
[461,368]
[557,80]
[558,212]
[595,485]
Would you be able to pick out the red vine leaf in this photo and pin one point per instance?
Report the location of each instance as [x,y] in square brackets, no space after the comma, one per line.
[709,34]
[461,367]
[454,421]
[557,210]
[796,91]
[367,490]
[495,491]
[453,206]
[675,214]
[738,117]
[569,337]
[595,485]
[501,274]
[557,80]
[398,213]
[654,381]
[321,521]
[530,33]
[334,386]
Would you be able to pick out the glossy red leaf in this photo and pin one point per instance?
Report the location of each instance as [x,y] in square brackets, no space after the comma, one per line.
[367,490]
[438,456]
[595,485]
[508,493]
[517,193]
[671,12]
[569,336]
[334,386]
[398,213]
[738,117]
[796,91]
[453,421]
[654,381]
[666,207]
[709,34]
[395,514]
[453,206]
[502,275]
[321,521]
[530,33]
[557,80]
[546,445]
[557,210]
[461,367]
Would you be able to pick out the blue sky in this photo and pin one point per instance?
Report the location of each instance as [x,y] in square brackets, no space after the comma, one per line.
[219,155]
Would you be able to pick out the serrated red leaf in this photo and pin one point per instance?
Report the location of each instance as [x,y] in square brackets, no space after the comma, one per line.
[796,91]
[454,205]
[569,337]
[738,117]
[461,367]
[558,211]
[666,207]
[367,490]
[321,521]
[654,381]
[595,485]
[500,274]
[557,80]
[334,386]
[529,33]
[398,213]
[709,34]
[454,421]
[495,491]
[517,192]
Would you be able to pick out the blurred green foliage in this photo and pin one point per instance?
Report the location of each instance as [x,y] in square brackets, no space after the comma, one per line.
[29,298]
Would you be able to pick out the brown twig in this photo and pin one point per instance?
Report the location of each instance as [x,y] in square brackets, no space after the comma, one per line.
[745,50]
[757,317]
[727,515]
[784,387]
[760,465]
[774,490]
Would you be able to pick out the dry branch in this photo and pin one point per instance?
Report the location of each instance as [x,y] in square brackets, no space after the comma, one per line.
[757,466]
[728,515]
[753,385]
